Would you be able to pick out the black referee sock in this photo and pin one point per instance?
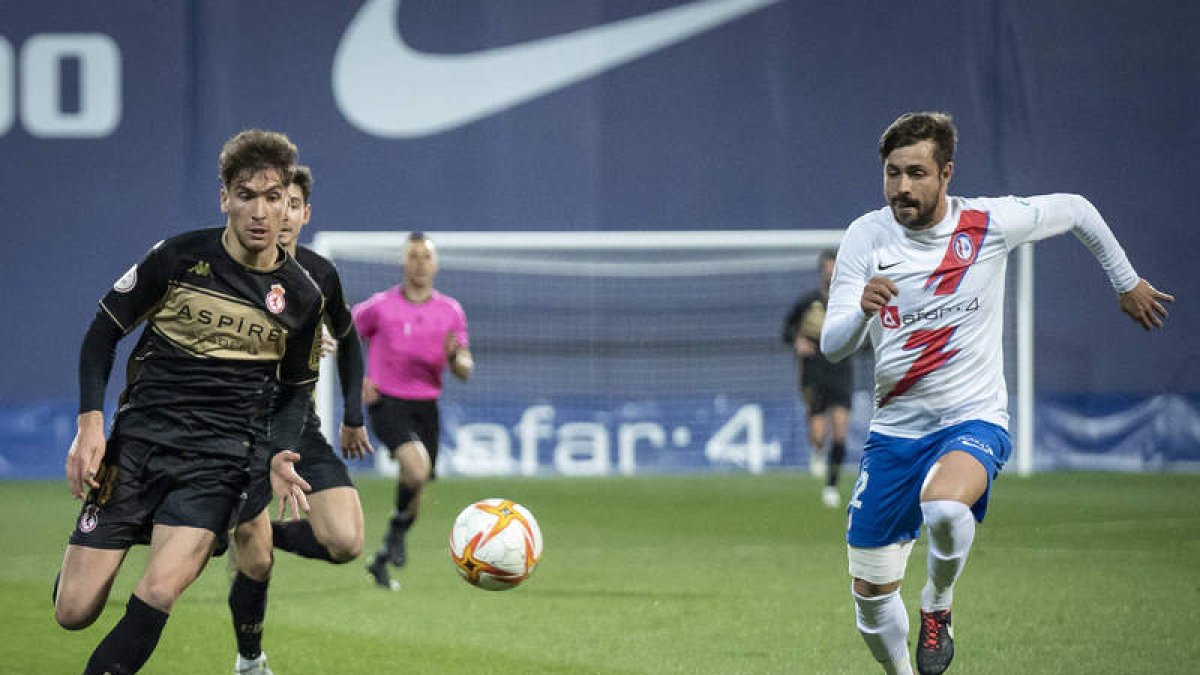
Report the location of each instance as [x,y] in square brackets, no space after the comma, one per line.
[296,536]
[129,644]
[404,497]
[248,603]
[837,453]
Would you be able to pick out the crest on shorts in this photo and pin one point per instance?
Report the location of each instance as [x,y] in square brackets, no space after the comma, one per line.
[89,519]
[127,281]
[275,301]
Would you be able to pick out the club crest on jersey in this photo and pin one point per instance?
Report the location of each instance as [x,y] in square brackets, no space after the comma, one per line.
[275,302]
[963,247]
[127,281]
[889,316]
[89,519]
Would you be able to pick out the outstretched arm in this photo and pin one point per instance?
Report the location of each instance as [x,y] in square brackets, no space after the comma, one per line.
[1048,215]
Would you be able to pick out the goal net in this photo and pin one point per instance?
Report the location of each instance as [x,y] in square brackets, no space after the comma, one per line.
[603,353]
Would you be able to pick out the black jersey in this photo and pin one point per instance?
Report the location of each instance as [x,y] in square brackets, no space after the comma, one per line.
[341,325]
[337,311]
[805,319]
[220,339]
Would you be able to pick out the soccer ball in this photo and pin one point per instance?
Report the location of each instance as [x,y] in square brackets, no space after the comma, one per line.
[495,544]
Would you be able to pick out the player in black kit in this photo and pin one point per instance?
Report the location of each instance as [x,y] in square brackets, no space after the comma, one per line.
[334,529]
[228,358]
[825,386]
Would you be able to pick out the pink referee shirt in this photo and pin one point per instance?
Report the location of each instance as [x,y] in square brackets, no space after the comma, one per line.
[406,340]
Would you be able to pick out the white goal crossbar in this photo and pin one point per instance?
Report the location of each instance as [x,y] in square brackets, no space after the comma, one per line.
[486,250]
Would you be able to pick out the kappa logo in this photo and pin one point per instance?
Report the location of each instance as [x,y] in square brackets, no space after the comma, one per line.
[200,269]
[386,88]
[275,301]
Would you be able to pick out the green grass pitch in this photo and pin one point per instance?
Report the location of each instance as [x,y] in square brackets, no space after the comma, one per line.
[1072,573]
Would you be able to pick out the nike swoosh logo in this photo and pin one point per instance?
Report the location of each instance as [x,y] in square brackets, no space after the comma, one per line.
[386,88]
[883,267]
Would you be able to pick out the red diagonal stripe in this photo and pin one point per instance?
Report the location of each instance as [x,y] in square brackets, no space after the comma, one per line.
[952,269]
[933,356]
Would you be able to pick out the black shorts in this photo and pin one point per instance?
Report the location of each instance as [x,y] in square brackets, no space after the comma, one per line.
[143,484]
[821,397]
[319,465]
[397,421]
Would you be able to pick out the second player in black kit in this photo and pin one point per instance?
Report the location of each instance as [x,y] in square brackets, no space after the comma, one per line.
[826,387]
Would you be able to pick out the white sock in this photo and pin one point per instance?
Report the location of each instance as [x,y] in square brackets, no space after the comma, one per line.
[883,624]
[951,530]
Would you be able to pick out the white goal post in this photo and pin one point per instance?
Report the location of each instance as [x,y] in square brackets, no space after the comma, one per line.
[369,262]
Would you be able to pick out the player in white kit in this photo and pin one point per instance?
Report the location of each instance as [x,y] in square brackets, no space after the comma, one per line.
[924,278]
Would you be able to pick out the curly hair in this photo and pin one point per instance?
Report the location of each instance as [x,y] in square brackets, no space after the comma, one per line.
[255,150]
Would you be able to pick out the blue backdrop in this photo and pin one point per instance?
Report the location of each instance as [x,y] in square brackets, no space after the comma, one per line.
[596,115]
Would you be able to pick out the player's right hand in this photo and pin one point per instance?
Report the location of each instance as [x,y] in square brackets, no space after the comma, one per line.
[805,347]
[83,459]
[876,294]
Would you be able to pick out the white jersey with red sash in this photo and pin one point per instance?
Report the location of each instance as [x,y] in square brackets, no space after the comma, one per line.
[938,343]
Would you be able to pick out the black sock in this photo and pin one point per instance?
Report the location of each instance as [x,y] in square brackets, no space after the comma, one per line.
[248,604]
[404,497]
[837,453]
[393,539]
[129,644]
[296,536]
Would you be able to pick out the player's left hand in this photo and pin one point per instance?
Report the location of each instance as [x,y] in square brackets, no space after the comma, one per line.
[355,443]
[1143,304]
[288,486]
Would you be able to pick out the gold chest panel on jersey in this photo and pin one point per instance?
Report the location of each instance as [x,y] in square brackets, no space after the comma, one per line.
[811,322]
[206,322]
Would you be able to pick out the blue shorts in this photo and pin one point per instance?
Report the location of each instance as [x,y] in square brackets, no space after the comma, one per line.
[885,507]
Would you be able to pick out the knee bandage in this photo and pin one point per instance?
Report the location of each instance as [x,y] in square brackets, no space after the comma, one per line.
[880,565]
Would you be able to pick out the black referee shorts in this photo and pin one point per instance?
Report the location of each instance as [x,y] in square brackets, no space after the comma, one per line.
[397,421]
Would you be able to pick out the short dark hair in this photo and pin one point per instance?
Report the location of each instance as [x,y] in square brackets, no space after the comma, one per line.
[255,150]
[914,127]
[415,237]
[827,254]
[302,177]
